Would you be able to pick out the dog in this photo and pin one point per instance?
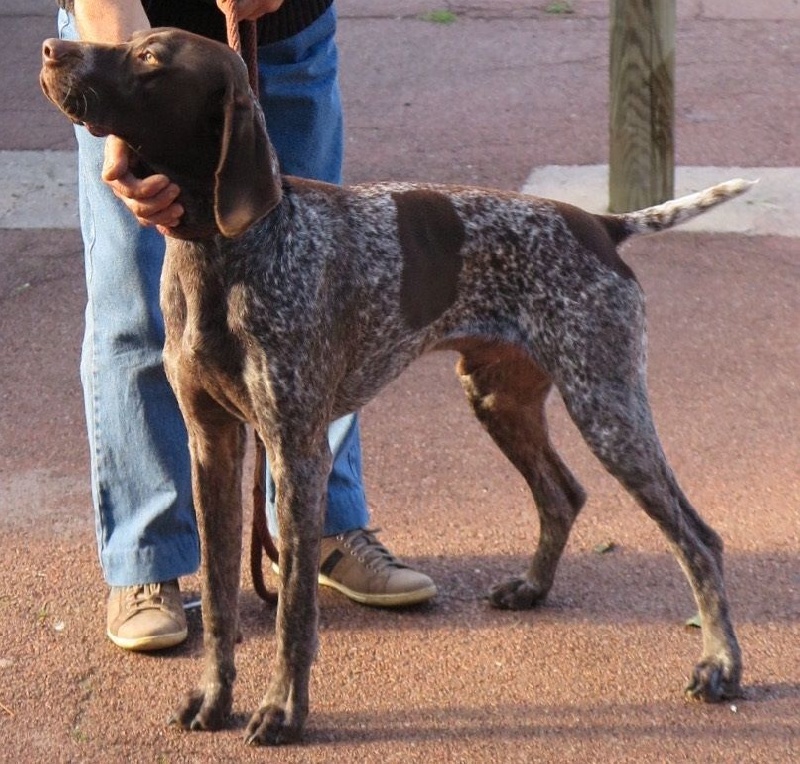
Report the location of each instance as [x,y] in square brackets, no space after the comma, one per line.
[289,303]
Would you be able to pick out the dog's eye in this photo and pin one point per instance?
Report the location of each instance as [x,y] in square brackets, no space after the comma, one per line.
[148,57]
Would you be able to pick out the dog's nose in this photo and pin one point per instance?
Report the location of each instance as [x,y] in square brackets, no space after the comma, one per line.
[54,49]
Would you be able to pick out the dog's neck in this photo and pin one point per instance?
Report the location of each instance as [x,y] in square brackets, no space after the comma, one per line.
[198,221]
[196,196]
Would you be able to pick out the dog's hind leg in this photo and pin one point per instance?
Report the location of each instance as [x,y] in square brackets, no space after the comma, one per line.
[614,416]
[508,391]
[216,444]
[300,469]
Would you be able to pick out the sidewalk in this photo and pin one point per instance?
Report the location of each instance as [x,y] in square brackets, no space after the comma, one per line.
[505,95]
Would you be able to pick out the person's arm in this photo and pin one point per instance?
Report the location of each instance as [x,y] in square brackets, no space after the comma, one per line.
[115,20]
[109,21]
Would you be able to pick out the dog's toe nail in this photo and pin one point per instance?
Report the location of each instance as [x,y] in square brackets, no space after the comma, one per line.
[712,683]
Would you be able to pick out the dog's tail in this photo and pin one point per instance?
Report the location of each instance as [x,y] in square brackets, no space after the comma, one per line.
[674,212]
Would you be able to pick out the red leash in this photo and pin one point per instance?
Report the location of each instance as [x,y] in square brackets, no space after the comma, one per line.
[260,539]
[242,38]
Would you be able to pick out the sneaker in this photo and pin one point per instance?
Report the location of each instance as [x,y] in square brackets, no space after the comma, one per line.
[147,617]
[364,570]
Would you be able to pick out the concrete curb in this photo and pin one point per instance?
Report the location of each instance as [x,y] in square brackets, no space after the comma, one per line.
[38,189]
[772,207]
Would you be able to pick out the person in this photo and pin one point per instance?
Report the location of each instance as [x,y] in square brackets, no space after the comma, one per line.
[146,530]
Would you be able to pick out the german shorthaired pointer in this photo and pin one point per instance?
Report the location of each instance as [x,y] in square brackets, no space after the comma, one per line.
[290,302]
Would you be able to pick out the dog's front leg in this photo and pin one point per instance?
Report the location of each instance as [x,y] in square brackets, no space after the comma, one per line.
[301,478]
[216,443]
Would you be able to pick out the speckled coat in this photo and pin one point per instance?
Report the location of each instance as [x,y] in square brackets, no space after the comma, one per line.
[288,303]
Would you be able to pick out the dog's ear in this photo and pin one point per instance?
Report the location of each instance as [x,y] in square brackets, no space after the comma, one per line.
[247,183]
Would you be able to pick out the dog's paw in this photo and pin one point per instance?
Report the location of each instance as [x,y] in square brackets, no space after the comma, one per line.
[200,710]
[516,594]
[271,726]
[713,681]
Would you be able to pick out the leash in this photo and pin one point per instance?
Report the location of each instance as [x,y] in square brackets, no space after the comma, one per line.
[242,38]
[261,542]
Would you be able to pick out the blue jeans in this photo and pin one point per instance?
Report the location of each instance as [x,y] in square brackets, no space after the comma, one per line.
[140,475]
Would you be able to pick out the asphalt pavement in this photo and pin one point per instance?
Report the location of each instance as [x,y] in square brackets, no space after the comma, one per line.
[504,94]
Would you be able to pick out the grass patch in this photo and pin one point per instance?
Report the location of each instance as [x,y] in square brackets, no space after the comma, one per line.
[44,612]
[79,736]
[558,8]
[439,17]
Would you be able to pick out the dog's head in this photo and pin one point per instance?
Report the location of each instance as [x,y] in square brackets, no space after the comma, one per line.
[184,105]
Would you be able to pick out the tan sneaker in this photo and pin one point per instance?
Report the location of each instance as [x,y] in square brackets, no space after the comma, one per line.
[364,570]
[146,617]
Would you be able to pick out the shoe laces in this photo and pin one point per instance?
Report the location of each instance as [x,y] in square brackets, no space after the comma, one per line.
[144,597]
[365,547]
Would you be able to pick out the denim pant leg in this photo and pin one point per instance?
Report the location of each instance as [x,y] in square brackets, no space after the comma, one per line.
[140,473]
[138,445]
[303,109]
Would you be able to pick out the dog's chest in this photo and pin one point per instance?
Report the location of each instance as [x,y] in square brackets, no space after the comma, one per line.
[204,320]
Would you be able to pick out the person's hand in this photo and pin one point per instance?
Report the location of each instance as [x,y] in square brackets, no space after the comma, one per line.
[250,10]
[150,199]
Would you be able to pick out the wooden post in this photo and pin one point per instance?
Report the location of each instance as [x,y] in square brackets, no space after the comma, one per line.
[642,113]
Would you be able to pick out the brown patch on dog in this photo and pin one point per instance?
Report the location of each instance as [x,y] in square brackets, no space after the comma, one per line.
[598,234]
[431,236]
